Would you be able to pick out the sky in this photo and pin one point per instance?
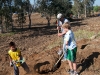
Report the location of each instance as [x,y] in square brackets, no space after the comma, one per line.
[32,1]
[97,2]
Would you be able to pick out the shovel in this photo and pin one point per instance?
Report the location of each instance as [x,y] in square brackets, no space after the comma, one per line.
[59,61]
[22,61]
[61,54]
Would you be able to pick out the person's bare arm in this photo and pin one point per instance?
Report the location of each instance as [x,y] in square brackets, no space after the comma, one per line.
[66,43]
[10,59]
[61,34]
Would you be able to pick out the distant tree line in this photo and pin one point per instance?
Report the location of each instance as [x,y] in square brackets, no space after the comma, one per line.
[96,8]
[8,8]
[83,7]
[47,8]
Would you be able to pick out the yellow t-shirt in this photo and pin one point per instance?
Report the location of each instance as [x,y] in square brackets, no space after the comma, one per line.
[15,55]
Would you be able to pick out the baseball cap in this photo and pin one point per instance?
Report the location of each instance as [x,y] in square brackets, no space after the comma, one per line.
[59,16]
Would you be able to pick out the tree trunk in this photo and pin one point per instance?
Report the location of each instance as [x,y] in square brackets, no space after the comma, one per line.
[0,29]
[78,14]
[1,26]
[85,11]
[48,23]
[29,15]
[48,19]
[10,7]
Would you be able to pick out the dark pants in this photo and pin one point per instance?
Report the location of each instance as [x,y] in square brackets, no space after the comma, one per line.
[24,66]
[16,70]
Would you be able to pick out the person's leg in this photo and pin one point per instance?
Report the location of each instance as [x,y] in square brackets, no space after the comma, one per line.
[25,67]
[74,63]
[65,54]
[16,70]
[71,71]
[64,51]
[70,61]
[70,64]
[74,58]
[74,66]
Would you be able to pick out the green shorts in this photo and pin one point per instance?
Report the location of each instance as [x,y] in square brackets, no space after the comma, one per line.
[71,54]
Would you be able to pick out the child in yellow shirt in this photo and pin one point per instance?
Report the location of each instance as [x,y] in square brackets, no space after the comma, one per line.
[16,59]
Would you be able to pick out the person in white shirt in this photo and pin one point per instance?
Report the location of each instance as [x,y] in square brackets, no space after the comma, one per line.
[61,20]
[71,47]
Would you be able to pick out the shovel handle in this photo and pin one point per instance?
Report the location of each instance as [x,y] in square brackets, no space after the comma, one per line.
[58,30]
[59,59]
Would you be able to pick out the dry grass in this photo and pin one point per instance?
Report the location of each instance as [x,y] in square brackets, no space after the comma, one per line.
[80,34]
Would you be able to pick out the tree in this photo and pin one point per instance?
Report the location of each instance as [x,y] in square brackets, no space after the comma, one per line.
[52,7]
[1,26]
[28,8]
[24,6]
[96,8]
[6,12]
[77,8]
[20,6]
[83,7]
[88,6]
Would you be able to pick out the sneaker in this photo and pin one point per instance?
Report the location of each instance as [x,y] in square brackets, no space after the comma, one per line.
[75,73]
[71,72]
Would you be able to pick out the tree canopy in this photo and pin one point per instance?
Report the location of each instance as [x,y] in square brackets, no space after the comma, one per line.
[96,8]
[45,7]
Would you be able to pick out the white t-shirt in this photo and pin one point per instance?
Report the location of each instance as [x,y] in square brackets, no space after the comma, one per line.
[60,23]
[69,36]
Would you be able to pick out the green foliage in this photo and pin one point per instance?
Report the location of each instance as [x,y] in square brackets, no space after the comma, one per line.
[83,7]
[46,7]
[55,6]
[96,8]
[77,7]
[8,7]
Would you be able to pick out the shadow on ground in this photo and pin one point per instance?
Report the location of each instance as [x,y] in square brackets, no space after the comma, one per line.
[88,61]
[39,30]
[40,70]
